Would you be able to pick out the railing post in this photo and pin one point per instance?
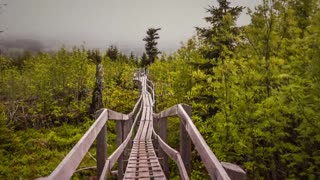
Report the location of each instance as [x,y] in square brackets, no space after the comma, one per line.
[155,141]
[163,133]
[185,142]
[126,130]
[119,142]
[101,150]
[155,102]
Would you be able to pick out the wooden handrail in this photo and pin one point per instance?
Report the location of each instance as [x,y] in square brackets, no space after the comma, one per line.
[212,164]
[188,131]
[69,164]
[115,155]
[152,89]
[174,155]
[172,111]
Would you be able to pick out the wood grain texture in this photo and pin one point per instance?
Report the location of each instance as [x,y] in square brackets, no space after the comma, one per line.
[234,171]
[213,166]
[69,164]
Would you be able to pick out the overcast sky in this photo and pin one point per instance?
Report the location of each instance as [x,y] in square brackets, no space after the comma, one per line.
[100,23]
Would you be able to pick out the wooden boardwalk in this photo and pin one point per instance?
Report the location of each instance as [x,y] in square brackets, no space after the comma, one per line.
[143,162]
[137,134]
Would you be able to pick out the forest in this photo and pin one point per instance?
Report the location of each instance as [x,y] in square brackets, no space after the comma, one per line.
[254,92]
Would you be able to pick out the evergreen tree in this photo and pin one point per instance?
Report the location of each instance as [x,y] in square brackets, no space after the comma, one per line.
[144,60]
[112,52]
[151,45]
[222,36]
[132,57]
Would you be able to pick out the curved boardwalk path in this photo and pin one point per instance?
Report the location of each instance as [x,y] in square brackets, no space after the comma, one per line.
[135,155]
[143,162]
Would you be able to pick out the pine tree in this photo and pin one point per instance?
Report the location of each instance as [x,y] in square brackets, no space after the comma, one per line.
[112,52]
[144,60]
[222,36]
[151,44]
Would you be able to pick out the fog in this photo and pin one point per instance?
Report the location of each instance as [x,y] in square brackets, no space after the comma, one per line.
[100,23]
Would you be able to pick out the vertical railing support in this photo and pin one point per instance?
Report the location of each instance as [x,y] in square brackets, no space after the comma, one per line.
[119,142]
[163,133]
[126,130]
[185,142]
[101,150]
[156,129]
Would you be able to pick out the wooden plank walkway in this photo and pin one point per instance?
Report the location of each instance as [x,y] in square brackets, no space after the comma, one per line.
[143,162]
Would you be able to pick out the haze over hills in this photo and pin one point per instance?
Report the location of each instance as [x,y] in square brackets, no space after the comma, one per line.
[18,45]
[49,25]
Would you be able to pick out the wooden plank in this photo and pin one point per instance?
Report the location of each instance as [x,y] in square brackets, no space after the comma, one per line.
[145,126]
[140,128]
[119,131]
[210,161]
[150,129]
[156,129]
[163,134]
[172,111]
[106,169]
[155,170]
[150,161]
[174,155]
[136,106]
[126,131]
[69,164]
[182,169]
[143,166]
[101,148]
[156,167]
[116,115]
[116,154]
[234,171]
[142,155]
[185,143]
[144,130]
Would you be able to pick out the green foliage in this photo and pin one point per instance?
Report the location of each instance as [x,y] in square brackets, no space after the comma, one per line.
[112,53]
[221,37]
[257,105]
[151,45]
[254,92]
[44,108]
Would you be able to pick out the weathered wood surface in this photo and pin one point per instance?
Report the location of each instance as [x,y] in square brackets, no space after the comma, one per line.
[185,143]
[116,154]
[172,111]
[97,131]
[234,171]
[101,148]
[69,164]
[174,155]
[119,130]
[117,116]
[212,164]
[163,133]
[143,162]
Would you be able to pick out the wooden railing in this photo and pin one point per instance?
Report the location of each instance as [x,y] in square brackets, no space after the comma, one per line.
[98,131]
[188,131]
[125,124]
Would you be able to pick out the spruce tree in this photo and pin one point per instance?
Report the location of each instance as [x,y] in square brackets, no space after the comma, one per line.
[112,52]
[222,35]
[144,60]
[151,44]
